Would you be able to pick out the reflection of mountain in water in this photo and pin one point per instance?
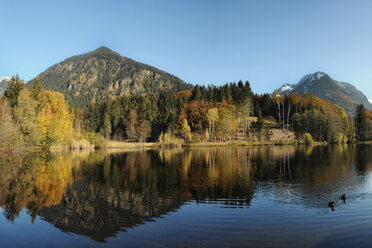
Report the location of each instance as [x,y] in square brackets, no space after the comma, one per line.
[125,190]
[98,212]
[99,194]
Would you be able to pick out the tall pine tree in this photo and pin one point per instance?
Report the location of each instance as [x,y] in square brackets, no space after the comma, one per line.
[361,123]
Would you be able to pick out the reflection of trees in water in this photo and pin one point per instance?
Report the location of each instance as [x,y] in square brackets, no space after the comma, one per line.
[98,194]
[35,182]
[100,212]
[220,173]
[124,190]
[363,157]
[7,172]
[315,175]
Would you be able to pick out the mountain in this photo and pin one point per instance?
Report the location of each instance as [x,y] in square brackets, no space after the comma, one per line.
[102,74]
[323,86]
[3,84]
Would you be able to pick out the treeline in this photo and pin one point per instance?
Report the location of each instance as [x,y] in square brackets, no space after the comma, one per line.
[38,117]
[225,113]
[307,114]
[201,114]
[35,117]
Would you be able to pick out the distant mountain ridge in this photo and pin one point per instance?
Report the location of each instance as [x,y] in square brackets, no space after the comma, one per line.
[323,86]
[102,74]
[3,84]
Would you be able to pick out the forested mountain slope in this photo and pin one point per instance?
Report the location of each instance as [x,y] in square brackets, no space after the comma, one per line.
[103,74]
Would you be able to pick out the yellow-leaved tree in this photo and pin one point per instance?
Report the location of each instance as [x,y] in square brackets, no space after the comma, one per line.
[54,119]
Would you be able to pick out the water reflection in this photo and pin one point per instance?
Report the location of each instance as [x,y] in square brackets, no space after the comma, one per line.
[97,194]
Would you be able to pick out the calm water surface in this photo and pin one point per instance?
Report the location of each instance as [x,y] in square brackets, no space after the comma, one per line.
[204,197]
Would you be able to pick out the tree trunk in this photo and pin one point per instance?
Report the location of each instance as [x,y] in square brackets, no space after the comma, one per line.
[283,117]
[210,132]
[289,111]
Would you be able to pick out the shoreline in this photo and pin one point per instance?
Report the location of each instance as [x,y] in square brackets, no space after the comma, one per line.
[129,145]
[119,145]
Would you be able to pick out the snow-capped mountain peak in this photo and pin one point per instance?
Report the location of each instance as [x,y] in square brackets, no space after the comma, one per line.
[317,75]
[3,84]
[4,78]
[286,88]
[308,78]
[322,85]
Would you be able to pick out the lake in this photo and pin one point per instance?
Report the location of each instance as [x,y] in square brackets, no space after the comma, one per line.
[195,197]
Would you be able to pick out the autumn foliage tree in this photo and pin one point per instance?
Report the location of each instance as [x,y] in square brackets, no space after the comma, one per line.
[226,125]
[131,124]
[212,117]
[10,136]
[38,117]
[54,120]
[26,118]
[186,131]
[143,131]
[322,119]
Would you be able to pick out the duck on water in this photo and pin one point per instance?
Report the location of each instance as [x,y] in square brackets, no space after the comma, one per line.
[332,204]
[343,197]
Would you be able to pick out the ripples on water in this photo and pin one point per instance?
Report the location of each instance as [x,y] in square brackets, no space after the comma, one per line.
[209,197]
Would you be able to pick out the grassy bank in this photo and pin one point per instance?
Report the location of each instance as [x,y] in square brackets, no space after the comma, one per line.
[124,145]
[120,144]
[127,145]
[242,143]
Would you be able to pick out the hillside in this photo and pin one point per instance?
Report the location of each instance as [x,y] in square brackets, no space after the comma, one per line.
[103,74]
[323,86]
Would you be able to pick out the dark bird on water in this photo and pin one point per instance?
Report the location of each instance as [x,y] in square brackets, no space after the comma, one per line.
[343,197]
[332,205]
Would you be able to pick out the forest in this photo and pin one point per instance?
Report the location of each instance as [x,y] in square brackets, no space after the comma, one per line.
[32,117]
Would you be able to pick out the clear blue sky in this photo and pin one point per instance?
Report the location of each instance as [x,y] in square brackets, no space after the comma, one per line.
[202,42]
